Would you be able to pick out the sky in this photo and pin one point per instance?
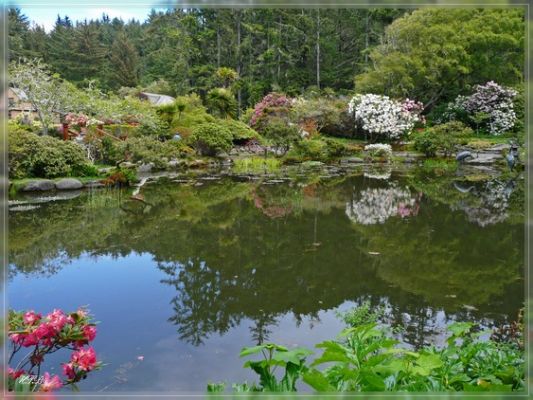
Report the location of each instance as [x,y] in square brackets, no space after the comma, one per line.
[45,13]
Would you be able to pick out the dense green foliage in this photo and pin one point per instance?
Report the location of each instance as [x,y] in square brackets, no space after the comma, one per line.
[31,155]
[434,54]
[209,139]
[366,357]
[193,49]
[442,138]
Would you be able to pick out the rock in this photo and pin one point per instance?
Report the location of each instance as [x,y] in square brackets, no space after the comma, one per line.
[94,185]
[197,164]
[484,159]
[127,165]
[40,185]
[144,168]
[352,160]
[105,170]
[175,164]
[68,184]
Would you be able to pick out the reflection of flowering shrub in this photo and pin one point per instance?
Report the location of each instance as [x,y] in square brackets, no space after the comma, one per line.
[383,116]
[490,100]
[491,203]
[375,206]
[55,331]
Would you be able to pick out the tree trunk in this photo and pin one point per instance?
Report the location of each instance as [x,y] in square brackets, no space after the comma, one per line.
[239,91]
[279,51]
[318,48]
[367,35]
[218,45]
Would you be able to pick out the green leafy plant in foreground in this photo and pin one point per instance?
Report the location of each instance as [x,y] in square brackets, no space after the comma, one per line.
[368,358]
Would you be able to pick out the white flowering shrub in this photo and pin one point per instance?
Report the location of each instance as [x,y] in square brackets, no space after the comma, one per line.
[382,116]
[379,150]
[490,100]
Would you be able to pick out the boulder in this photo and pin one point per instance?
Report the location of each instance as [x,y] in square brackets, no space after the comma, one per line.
[40,185]
[144,168]
[127,164]
[68,184]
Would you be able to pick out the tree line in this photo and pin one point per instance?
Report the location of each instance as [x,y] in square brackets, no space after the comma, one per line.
[430,55]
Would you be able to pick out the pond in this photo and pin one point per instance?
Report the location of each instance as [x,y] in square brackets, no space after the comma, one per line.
[203,265]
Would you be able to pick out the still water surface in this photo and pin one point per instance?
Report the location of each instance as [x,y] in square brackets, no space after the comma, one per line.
[207,265]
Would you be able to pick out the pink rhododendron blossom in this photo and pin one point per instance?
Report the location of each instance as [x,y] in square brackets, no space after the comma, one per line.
[57,319]
[30,339]
[15,374]
[50,382]
[31,317]
[17,338]
[90,332]
[68,370]
[85,359]
[82,313]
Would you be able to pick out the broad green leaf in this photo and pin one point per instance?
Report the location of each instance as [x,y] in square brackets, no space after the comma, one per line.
[317,381]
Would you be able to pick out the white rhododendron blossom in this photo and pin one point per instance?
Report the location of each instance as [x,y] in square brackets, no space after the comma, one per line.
[376,205]
[383,116]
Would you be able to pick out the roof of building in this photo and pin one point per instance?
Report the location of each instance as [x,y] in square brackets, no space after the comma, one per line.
[157,99]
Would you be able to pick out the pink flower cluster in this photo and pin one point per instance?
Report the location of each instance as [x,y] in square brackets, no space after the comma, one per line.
[271,100]
[48,334]
[76,119]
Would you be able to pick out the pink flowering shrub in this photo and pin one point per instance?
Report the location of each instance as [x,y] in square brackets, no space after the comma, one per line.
[44,335]
[272,105]
[76,119]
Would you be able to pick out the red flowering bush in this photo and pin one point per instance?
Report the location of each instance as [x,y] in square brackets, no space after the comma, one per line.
[45,335]
[272,105]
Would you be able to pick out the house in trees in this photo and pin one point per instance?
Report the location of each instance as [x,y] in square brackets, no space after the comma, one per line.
[18,104]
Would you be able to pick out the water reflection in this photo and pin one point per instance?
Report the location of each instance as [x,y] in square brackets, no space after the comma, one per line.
[233,251]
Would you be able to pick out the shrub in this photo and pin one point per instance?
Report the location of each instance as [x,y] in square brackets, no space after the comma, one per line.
[442,138]
[281,134]
[190,113]
[210,139]
[148,150]
[379,150]
[239,130]
[323,112]
[384,117]
[489,107]
[43,156]
[221,102]
[274,105]
[316,149]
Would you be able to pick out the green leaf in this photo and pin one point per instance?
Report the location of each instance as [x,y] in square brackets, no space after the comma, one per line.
[317,381]
[459,329]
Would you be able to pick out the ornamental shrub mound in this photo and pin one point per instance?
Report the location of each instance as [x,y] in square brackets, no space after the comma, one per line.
[443,138]
[210,139]
[383,117]
[33,156]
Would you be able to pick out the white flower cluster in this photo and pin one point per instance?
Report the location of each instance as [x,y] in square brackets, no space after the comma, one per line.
[491,99]
[376,205]
[379,149]
[383,116]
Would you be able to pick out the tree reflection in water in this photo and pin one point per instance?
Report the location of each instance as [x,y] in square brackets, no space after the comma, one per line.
[249,253]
